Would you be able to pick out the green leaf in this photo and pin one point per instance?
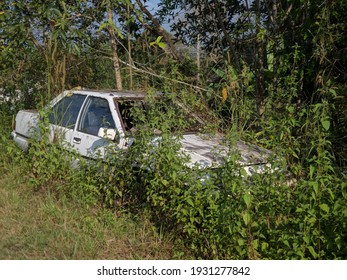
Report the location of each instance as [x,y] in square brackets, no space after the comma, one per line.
[312,170]
[158,42]
[332,91]
[311,220]
[290,109]
[325,124]
[161,45]
[256,243]
[190,202]
[306,239]
[286,243]
[247,218]
[264,246]
[119,33]
[158,39]
[312,251]
[315,187]
[165,183]
[240,242]
[324,207]
[247,199]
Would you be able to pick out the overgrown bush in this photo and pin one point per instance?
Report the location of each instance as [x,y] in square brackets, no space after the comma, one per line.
[219,213]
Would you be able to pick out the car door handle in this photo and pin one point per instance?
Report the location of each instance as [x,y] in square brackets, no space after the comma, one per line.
[77,140]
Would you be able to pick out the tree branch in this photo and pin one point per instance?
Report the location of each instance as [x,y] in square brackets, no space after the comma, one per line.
[160,30]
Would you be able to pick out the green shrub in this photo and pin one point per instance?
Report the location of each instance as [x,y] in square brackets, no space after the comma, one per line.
[218,213]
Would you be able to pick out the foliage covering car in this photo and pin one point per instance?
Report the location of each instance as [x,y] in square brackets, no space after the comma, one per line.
[91,121]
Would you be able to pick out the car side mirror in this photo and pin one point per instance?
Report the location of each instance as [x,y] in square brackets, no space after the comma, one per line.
[109,133]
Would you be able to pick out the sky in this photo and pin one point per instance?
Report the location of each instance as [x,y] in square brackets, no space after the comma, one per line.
[152,5]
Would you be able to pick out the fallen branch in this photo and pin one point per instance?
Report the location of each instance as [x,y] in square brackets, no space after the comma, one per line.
[160,76]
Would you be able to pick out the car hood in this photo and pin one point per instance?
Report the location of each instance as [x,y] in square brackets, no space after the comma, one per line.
[211,151]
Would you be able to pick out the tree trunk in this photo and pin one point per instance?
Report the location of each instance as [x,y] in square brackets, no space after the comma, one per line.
[114,51]
[259,92]
[129,53]
[198,64]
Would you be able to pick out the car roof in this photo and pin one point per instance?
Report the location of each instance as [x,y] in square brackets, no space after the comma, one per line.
[112,93]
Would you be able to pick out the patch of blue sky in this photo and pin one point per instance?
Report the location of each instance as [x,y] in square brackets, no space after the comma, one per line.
[152,5]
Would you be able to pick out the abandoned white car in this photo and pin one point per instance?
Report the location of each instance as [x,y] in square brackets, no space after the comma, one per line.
[88,119]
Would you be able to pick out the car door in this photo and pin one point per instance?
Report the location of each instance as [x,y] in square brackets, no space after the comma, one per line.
[63,117]
[96,114]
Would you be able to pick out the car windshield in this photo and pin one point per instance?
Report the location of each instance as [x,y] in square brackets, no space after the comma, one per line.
[183,118]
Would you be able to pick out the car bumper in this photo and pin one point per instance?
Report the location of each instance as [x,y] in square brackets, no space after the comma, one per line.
[21,141]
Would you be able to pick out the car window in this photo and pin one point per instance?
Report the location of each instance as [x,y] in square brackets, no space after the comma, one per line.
[97,114]
[65,112]
[184,119]
[125,110]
